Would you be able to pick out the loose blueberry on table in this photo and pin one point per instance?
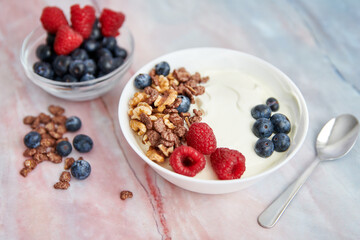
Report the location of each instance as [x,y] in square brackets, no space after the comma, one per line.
[76,53]
[80,169]
[32,139]
[82,143]
[63,148]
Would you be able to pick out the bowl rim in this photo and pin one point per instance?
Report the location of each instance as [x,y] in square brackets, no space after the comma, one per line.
[157,167]
[39,78]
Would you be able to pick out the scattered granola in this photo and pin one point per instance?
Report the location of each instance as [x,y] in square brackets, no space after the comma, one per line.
[51,129]
[125,194]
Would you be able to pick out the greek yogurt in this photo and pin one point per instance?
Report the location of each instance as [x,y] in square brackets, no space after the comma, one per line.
[226,104]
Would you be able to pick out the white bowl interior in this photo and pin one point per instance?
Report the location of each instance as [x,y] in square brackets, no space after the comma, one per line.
[205,59]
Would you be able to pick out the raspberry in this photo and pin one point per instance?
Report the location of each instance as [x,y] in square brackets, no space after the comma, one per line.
[111,22]
[187,161]
[201,137]
[66,40]
[52,18]
[227,163]
[82,19]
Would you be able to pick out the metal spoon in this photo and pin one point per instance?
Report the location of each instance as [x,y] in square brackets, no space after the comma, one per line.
[334,141]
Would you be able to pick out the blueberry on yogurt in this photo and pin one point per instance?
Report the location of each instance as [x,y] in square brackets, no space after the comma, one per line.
[162,68]
[261,111]
[262,128]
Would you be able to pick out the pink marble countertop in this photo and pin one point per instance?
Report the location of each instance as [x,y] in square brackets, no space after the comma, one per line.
[316,44]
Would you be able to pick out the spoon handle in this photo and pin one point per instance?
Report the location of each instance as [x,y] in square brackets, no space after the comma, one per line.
[269,217]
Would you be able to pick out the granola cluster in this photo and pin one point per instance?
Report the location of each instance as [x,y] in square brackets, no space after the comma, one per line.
[154,116]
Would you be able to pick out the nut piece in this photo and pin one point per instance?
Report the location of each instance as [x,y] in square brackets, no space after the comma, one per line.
[25,171]
[166,99]
[44,118]
[61,129]
[55,135]
[28,120]
[50,127]
[138,127]
[40,157]
[65,177]
[163,84]
[126,194]
[29,152]
[138,97]
[47,142]
[141,108]
[167,122]
[53,157]
[68,163]
[56,110]
[30,163]
[59,119]
[166,151]
[155,155]
[153,95]
[62,185]
[41,130]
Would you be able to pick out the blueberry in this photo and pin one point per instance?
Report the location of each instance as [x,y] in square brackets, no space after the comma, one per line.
[96,32]
[58,78]
[43,52]
[281,142]
[184,105]
[142,81]
[50,39]
[32,139]
[109,43]
[105,64]
[63,148]
[90,66]
[80,169]
[87,77]
[117,62]
[262,128]
[273,104]
[90,45]
[82,143]
[68,78]
[103,52]
[281,123]
[73,124]
[264,147]
[61,64]
[79,54]
[77,68]
[43,69]
[162,68]
[261,111]
[120,52]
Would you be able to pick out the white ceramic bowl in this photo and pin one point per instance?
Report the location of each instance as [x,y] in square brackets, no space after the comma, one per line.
[198,59]
[77,91]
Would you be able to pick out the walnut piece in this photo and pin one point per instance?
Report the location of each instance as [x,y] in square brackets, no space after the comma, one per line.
[138,97]
[138,127]
[163,85]
[155,155]
[166,99]
[139,109]
[165,150]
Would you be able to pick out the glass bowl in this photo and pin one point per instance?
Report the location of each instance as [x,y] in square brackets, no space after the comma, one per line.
[78,91]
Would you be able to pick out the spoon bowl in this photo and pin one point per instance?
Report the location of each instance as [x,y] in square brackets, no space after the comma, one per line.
[337,137]
[334,141]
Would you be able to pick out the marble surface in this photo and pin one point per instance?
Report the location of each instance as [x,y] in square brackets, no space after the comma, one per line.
[316,43]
